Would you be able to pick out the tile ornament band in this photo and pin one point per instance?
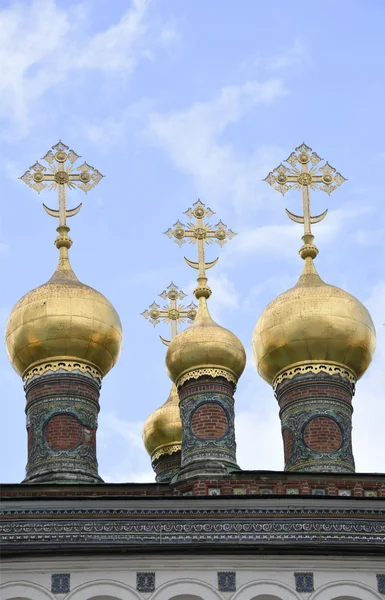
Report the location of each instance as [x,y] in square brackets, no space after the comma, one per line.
[314,367]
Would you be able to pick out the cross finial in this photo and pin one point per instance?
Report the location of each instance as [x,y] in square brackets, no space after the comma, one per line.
[59,175]
[304,173]
[200,233]
[173,313]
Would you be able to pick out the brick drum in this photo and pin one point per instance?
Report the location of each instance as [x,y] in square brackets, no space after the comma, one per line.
[322,435]
[302,390]
[59,385]
[63,432]
[209,421]
[287,442]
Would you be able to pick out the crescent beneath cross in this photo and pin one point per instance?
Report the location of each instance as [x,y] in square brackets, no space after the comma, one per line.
[195,265]
[56,213]
[298,219]
[293,217]
[165,342]
[319,218]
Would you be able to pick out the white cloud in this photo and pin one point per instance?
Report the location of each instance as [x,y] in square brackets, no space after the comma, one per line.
[113,49]
[125,474]
[283,241]
[259,441]
[191,139]
[41,44]
[225,295]
[31,36]
[270,241]
[128,461]
[169,36]
[112,131]
[257,423]
[4,248]
[295,56]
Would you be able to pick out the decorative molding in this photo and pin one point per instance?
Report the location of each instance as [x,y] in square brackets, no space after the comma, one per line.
[211,372]
[315,367]
[39,369]
[47,529]
[166,449]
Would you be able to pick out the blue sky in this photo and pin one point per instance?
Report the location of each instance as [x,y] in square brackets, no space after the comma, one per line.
[172,101]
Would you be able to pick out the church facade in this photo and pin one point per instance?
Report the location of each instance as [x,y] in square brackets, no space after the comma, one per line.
[206,529]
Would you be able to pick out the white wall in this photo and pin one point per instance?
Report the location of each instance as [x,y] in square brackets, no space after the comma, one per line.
[192,577]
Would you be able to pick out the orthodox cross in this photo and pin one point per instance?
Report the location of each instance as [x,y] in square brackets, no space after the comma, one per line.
[200,233]
[325,178]
[173,313]
[60,174]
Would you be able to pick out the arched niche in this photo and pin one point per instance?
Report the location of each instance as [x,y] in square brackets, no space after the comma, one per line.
[103,590]
[186,589]
[346,590]
[24,590]
[266,597]
[103,598]
[265,590]
[186,597]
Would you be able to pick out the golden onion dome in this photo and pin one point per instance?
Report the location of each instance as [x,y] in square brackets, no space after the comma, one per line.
[205,348]
[162,430]
[63,319]
[313,322]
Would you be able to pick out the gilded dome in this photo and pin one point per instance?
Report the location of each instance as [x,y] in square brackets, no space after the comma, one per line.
[313,322]
[205,347]
[63,319]
[162,430]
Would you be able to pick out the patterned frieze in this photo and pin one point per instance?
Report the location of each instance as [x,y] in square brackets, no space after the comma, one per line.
[313,524]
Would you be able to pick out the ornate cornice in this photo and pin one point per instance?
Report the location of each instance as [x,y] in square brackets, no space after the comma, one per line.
[327,527]
[314,367]
[61,364]
[165,449]
[210,371]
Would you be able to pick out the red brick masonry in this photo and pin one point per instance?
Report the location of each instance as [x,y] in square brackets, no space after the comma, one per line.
[322,434]
[209,421]
[287,442]
[63,432]
[302,390]
[62,385]
[253,482]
